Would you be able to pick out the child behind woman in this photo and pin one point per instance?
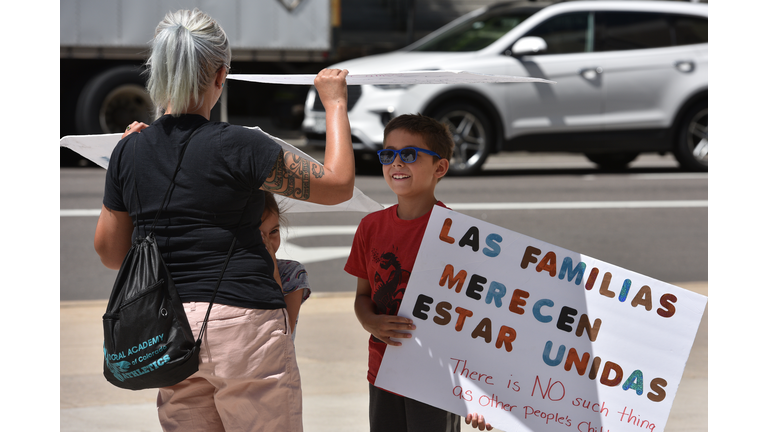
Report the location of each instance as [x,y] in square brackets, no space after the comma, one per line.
[293,275]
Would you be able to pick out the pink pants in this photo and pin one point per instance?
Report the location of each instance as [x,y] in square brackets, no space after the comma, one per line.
[248,378]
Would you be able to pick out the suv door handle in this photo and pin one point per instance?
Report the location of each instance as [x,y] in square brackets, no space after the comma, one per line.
[685,66]
[591,73]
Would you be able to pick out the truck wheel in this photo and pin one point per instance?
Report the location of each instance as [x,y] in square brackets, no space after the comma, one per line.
[691,149]
[112,100]
[472,135]
[612,161]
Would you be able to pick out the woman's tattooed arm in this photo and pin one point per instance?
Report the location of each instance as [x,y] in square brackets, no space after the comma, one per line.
[290,176]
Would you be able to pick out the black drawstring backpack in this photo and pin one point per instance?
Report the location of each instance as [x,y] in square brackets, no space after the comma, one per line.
[148,342]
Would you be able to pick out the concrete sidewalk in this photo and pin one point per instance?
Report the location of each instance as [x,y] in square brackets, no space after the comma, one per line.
[331,348]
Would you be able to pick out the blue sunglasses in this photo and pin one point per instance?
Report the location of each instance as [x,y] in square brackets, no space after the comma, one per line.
[407,155]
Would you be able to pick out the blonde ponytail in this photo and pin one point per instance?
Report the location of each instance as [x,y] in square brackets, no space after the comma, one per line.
[187,50]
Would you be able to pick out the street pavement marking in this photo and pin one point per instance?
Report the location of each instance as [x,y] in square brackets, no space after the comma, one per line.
[290,250]
[570,205]
[77,212]
[670,176]
[653,176]
[306,255]
[561,205]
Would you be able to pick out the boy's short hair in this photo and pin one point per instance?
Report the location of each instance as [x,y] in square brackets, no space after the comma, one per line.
[435,135]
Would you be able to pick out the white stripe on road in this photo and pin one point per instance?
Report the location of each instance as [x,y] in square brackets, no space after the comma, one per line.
[567,205]
[306,255]
[670,176]
[654,176]
[73,213]
[562,205]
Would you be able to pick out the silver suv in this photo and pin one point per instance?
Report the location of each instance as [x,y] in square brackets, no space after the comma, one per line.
[631,78]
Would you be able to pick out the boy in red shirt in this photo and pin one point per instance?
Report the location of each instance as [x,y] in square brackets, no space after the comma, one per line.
[415,157]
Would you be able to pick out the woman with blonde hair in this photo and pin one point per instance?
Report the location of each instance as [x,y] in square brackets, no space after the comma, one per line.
[248,378]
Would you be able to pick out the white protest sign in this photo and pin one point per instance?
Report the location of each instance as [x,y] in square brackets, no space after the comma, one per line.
[536,337]
[410,77]
[98,149]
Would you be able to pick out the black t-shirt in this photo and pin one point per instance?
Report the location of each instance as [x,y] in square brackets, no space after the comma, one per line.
[223,168]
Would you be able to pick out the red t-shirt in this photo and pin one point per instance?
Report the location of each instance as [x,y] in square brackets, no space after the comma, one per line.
[383,252]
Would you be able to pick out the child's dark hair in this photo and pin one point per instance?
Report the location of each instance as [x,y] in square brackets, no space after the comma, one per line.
[270,206]
[436,135]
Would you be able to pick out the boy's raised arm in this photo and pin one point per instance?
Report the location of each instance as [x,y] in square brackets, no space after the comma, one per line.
[381,326]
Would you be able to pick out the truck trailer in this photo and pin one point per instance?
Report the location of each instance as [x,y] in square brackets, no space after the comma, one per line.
[104,44]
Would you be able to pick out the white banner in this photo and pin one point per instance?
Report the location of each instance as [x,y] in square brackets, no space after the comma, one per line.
[536,337]
[98,149]
[411,77]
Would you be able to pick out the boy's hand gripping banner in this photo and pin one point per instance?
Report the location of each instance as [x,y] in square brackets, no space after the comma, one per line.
[536,337]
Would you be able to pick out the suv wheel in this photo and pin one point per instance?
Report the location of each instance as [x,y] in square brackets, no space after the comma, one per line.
[472,135]
[691,150]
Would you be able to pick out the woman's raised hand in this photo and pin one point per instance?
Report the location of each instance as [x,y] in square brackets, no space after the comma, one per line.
[333,182]
[331,86]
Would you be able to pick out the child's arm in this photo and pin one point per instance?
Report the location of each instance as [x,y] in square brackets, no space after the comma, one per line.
[381,326]
[293,303]
[276,272]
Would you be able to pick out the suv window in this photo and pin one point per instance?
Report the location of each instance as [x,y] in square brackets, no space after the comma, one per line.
[566,33]
[578,32]
[689,29]
[477,33]
[637,30]
[632,30]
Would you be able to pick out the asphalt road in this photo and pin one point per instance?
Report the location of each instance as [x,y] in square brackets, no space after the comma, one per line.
[651,219]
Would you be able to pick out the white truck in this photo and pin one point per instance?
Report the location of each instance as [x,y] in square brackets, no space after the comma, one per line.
[105,42]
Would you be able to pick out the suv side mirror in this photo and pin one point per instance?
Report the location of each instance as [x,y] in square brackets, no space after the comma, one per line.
[528,45]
